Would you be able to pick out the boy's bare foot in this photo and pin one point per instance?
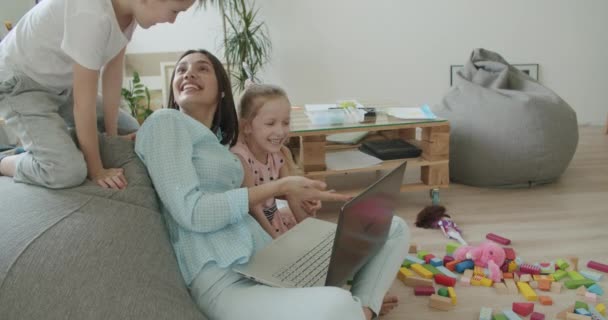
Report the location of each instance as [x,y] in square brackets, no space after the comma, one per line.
[389,303]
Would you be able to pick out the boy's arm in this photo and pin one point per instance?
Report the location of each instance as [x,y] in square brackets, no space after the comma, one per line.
[85,97]
[111,85]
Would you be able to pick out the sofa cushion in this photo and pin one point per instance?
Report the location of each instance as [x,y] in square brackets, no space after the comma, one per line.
[88,252]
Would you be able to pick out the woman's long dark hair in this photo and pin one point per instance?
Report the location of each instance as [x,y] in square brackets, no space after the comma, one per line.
[225,119]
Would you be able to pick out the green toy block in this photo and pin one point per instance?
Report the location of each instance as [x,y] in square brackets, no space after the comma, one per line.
[574,284]
[406,263]
[432,269]
[580,304]
[499,317]
[559,275]
[562,264]
[443,292]
[451,247]
[574,275]
[422,254]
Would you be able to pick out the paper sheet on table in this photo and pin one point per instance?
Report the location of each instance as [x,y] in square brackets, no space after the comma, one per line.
[421,113]
[349,159]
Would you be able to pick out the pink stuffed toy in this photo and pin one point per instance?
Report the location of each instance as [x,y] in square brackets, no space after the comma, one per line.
[487,255]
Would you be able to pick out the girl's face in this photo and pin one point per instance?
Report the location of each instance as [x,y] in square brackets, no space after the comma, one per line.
[150,12]
[195,83]
[268,130]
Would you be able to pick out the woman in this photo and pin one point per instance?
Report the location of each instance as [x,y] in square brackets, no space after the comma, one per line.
[198,181]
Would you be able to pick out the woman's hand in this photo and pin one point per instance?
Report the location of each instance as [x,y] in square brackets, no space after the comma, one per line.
[309,190]
[311,207]
[110,178]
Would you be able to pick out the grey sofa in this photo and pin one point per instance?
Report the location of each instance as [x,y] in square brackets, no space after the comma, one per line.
[88,252]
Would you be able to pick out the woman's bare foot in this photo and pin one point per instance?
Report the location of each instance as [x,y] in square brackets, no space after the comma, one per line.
[389,303]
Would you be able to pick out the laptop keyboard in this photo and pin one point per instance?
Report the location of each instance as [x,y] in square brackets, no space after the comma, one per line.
[310,267]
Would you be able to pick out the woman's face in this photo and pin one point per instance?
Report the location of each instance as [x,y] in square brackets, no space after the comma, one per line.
[195,84]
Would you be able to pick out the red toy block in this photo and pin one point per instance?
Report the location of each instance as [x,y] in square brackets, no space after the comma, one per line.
[497,238]
[424,291]
[523,308]
[507,275]
[428,258]
[537,316]
[445,280]
[509,253]
[597,266]
[452,265]
[545,300]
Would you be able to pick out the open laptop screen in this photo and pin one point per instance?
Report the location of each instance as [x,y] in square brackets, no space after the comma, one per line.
[363,227]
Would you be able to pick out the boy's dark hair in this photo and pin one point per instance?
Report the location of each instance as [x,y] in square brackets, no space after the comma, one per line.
[225,119]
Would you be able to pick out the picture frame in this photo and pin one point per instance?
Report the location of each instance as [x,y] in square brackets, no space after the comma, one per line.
[166,71]
[530,69]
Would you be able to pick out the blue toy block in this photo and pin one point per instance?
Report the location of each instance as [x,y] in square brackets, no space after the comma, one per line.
[436,262]
[596,289]
[466,264]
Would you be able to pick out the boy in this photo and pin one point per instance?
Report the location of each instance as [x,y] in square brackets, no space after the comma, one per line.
[50,65]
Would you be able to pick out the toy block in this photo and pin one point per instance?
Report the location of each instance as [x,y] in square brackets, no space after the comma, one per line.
[591,275]
[505,266]
[523,308]
[525,278]
[583,312]
[427,259]
[485,313]
[597,266]
[424,291]
[447,259]
[544,285]
[591,297]
[596,315]
[545,300]
[501,288]
[436,262]
[562,264]
[452,294]
[507,275]
[559,275]
[447,272]
[547,268]
[452,265]
[421,254]
[421,271]
[445,280]
[496,238]
[416,282]
[404,273]
[574,263]
[601,308]
[485,282]
[468,273]
[537,316]
[529,268]
[574,275]
[516,276]
[413,248]
[527,291]
[581,291]
[440,303]
[476,281]
[432,269]
[512,266]
[478,271]
[510,314]
[533,284]
[562,314]
[573,284]
[464,281]
[556,287]
[414,259]
[443,292]
[538,277]
[451,247]
[509,253]
[499,317]
[511,286]
[574,316]
[580,305]
[466,264]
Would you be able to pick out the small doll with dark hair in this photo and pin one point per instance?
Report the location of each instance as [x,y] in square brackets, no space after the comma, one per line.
[435,217]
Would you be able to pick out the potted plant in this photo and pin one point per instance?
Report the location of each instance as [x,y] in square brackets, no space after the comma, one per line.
[137,97]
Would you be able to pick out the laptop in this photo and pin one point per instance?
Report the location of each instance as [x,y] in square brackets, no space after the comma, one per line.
[319,253]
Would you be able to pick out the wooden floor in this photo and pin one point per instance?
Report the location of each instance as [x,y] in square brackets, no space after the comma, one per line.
[566,218]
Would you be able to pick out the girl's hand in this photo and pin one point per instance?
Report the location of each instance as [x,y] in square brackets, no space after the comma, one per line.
[110,178]
[307,189]
[311,207]
[130,136]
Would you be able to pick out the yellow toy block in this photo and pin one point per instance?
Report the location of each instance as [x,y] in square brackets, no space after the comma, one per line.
[527,291]
[422,271]
[601,308]
[476,281]
[478,271]
[452,294]
[512,266]
[404,273]
[486,282]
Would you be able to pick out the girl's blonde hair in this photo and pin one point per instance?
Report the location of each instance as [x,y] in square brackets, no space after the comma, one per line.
[254,98]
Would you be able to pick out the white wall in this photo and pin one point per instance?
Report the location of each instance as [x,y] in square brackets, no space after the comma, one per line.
[13,10]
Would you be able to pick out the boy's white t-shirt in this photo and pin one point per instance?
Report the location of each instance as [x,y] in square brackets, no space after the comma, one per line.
[55,34]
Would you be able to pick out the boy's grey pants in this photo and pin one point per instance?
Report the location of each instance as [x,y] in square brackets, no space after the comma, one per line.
[41,118]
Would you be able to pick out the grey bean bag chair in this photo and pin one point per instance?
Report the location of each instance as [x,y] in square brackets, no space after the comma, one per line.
[507,130]
[87,252]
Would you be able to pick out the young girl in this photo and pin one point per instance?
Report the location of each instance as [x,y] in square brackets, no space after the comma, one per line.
[264,113]
[50,65]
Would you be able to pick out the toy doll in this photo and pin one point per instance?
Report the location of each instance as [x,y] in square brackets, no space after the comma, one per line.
[435,217]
